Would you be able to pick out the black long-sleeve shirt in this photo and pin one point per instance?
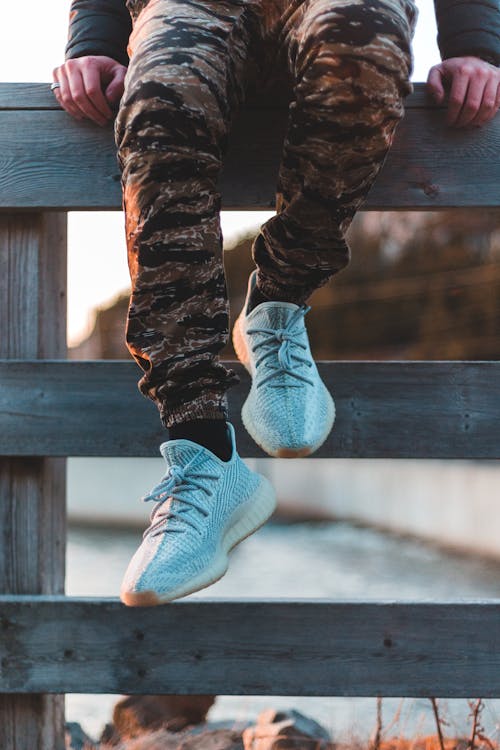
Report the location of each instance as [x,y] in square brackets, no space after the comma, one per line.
[465,27]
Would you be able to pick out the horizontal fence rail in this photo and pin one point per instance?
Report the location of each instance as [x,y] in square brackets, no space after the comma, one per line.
[312,648]
[60,163]
[384,409]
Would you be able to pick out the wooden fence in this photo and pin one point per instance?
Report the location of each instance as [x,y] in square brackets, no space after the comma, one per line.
[50,409]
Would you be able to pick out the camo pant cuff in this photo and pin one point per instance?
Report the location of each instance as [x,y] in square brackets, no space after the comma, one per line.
[284,292]
[209,406]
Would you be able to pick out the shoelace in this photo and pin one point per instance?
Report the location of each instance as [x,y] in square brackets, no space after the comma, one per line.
[283,342]
[178,484]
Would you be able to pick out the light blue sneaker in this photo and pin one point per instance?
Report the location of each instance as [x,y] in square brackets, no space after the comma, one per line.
[204,507]
[289,411]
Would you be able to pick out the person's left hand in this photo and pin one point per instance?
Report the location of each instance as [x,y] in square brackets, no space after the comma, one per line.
[473,86]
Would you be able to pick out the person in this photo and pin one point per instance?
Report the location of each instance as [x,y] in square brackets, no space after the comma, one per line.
[174,72]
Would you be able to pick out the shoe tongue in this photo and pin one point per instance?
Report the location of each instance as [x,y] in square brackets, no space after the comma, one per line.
[272,314]
[179,452]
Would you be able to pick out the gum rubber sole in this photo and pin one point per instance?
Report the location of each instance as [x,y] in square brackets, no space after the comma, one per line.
[263,504]
[239,343]
[241,350]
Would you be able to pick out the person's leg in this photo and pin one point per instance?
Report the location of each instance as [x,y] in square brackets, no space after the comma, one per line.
[184,82]
[351,63]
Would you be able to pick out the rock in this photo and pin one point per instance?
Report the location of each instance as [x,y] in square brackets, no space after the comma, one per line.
[158,722]
[286,730]
[109,736]
[76,739]
[137,714]
[209,739]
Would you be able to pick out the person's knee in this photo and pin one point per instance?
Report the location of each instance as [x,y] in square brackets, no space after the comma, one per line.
[350,49]
[165,114]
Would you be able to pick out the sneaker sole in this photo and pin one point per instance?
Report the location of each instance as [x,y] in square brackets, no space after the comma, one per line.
[245,521]
[241,350]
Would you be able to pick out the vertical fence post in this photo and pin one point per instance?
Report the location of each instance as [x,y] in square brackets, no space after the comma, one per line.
[32,490]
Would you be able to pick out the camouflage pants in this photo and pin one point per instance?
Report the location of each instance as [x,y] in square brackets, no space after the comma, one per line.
[349,62]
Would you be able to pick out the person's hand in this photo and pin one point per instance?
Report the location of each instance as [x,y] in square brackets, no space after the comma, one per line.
[90,87]
[473,86]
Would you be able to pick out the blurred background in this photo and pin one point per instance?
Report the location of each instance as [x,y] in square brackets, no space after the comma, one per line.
[420,286]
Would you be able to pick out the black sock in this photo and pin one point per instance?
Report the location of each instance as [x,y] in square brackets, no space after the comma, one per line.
[211,433]
[256,298]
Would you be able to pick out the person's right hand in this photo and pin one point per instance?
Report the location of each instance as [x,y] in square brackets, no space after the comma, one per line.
[90,87]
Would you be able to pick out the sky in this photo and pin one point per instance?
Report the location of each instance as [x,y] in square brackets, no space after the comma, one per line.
[32,38]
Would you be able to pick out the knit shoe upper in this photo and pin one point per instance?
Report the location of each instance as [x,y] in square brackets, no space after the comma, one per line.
[289,411]
[203,507]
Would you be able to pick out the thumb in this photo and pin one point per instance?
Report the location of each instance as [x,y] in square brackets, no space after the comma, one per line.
[435,83]
[115,87]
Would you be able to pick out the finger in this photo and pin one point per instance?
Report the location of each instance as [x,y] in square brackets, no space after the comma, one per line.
[472,103]
[56,91]
[92,82]
[490,103]
[458,91]
[57,94]
[115,88]
[80,97]
[64,96]
[434,82]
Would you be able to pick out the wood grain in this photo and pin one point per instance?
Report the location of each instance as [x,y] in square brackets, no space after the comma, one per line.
[32,489]
[315,648]
[61,163]
[384,409]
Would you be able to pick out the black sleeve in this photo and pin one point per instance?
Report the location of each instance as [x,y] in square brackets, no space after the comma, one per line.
[469,27]
[99,27]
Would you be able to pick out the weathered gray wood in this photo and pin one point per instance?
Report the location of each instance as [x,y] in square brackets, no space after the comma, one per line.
[33,285]
[27,95]
[16,714]
[56,162]
[384,409]
[32,529]
[302,647]
[32,489]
